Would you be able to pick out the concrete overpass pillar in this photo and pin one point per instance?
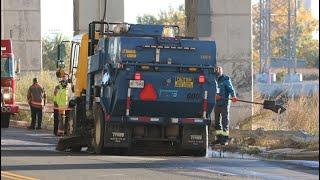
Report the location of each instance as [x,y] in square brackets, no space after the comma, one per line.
[86,11]
[228,22]
[21,22]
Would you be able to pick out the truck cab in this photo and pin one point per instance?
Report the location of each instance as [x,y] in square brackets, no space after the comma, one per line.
[9,68]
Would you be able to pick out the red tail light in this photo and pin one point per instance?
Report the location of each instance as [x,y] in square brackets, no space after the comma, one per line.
[8,82]
[137,76]
[201,79]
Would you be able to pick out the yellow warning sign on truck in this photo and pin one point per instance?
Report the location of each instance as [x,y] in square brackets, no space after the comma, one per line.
[183,82]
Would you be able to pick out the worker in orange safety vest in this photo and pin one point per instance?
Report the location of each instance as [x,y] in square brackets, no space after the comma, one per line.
[37,100]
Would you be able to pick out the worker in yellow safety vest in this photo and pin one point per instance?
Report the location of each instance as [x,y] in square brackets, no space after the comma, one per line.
[60,101]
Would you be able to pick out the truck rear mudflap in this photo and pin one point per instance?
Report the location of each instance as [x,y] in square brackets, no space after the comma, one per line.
[125,132]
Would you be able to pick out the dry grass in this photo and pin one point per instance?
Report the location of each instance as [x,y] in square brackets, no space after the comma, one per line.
[302,114]
[47,80]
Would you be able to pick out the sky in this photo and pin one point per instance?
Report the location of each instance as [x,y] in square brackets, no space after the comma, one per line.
[57,15]
[315,8]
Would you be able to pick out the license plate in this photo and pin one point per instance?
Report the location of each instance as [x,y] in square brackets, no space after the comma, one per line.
[183,82]
[136,84]
[195,137]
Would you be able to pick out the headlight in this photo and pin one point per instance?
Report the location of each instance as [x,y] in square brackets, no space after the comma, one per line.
[7,93]
[6,96]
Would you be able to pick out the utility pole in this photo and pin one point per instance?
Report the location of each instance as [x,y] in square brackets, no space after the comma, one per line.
[265,32]
[287,9]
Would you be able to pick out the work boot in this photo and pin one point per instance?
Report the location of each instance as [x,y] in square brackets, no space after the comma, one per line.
[218,139]
[225,140]
[221,139]
[31,127]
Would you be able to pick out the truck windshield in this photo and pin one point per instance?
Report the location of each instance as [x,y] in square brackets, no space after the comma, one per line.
[6,67]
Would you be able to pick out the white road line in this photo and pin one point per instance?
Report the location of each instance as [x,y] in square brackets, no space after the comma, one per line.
[106,175]
[217,172]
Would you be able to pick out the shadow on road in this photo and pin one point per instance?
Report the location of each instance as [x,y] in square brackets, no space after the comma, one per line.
[171,164]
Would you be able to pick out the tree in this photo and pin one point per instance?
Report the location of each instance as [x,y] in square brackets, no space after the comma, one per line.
[307,47]
[50,50]
[169,17]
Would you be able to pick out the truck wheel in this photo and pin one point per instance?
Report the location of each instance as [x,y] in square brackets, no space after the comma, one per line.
[200,153]
[98,138]
[5,119]
[76,148]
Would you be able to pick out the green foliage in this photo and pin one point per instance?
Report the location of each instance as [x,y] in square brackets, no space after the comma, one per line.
[169,17]
[147,19]
[50,51]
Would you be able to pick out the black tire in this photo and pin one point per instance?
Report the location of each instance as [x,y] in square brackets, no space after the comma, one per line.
[196,152]
[76,148]
[5,120]
[200,153]
[99,128]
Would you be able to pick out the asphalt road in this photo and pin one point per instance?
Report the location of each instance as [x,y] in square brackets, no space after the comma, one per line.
[27,154]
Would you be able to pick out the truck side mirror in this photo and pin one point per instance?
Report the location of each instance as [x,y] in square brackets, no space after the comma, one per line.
[61,51]
[61,54]
[17,70]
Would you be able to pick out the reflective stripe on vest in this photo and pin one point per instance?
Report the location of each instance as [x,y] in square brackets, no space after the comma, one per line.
[223,133]
[37,104]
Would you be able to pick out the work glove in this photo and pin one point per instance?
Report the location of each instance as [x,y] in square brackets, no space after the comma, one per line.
[218,97]
[234,99]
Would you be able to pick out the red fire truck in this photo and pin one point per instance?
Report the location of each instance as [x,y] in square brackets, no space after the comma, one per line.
[9,68]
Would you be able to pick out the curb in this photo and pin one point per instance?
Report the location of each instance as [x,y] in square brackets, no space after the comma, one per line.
[309,164]
[306,155]
[25,124]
